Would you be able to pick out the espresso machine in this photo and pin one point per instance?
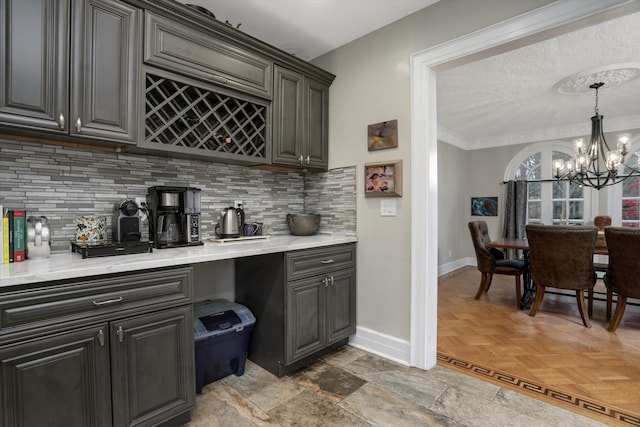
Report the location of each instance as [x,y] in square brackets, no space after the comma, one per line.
[175,216]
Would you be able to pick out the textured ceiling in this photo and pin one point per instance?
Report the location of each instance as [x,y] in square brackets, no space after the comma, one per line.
[511,98]
[309,28]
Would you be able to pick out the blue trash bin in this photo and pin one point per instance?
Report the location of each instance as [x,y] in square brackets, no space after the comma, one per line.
[221,330]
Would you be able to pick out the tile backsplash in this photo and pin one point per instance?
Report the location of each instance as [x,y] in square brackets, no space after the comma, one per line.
[62,183]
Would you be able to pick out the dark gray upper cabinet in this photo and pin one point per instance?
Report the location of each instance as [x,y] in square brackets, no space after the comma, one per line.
[70,67]
[105,59]
[300,120]
[34,64]
[186,50]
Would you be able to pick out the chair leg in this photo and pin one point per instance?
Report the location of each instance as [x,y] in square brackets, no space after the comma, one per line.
[483,284]
[590,301]
[518,291]
[582,308]
[488,285]
[621,304]
[538,301]
[609,303]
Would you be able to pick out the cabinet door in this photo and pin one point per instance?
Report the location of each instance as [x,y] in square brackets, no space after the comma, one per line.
[341,305]
[305,318]
[34,63]
[287,117]
[105,57]
[61,380]
[153,375]
[316,125]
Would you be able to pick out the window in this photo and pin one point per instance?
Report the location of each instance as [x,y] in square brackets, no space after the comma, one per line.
[550,201]
[630,202]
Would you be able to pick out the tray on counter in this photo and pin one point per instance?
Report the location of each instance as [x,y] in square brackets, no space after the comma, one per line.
[238,239]
[93,250]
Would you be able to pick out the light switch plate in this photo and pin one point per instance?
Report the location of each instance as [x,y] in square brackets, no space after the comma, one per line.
[388,207]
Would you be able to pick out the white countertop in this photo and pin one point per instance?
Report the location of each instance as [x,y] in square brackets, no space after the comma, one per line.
[71,265]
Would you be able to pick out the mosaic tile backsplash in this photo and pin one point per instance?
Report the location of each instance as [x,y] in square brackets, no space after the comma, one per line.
[62,183]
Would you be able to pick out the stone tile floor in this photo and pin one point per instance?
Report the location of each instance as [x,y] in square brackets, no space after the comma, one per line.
[354,388]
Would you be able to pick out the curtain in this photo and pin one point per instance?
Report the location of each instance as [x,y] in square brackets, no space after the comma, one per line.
[515,213]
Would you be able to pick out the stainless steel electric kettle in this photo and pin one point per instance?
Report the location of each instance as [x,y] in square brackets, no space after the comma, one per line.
[231,222]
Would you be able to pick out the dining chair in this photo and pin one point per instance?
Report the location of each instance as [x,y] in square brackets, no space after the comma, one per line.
[491,261]
[601,222]
[561,256]
[623,270]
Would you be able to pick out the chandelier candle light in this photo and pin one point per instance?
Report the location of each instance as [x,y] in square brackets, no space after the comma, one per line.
[596,165]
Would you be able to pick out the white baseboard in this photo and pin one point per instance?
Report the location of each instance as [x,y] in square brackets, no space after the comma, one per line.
[382,345]
[454,265]
[393,348]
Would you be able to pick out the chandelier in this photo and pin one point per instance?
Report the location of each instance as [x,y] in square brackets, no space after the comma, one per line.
[596,165]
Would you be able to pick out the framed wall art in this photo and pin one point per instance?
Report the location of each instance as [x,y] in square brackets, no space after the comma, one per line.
[382,135]
[383,179]
[484,206]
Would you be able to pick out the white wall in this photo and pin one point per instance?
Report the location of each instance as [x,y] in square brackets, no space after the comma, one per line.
[373,85]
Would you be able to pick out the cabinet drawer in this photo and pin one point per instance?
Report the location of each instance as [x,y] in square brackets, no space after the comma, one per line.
[309,262]
[176,47]
[83,299]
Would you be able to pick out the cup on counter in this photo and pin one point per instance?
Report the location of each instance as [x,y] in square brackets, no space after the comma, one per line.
[252,229]
[91,229]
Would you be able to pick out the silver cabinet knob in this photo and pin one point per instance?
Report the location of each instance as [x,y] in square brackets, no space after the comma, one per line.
[61,121]
[78,124]
[120,333]
[101,338]
[307,160]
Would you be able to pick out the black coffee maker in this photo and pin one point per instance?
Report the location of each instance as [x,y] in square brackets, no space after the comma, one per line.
[175,216]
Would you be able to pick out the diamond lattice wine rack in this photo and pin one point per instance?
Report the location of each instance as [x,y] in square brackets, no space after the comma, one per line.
[182,115]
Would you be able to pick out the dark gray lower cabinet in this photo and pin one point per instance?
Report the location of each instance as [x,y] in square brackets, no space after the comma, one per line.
[116,351]
[303,301]
[319,312]
[60,380]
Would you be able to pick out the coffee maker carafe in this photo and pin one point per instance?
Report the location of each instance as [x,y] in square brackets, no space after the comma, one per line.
[175,216]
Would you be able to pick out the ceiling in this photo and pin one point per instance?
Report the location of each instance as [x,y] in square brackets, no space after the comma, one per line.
[506,99]
[513,97]
[309,28]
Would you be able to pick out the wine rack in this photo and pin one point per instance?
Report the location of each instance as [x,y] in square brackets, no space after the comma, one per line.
[193,119]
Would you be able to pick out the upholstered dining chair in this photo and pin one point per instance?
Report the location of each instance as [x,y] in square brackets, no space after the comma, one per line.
[601,222]
[491,261]
[623,270]
[561,256]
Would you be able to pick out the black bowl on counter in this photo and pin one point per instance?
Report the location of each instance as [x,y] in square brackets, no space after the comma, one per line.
[303,224]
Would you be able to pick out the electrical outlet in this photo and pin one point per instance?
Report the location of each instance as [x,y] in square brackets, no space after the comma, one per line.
[237,203]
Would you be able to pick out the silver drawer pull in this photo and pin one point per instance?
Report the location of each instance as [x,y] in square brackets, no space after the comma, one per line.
[326,261]
[101,338]
[108,301]
[120,333]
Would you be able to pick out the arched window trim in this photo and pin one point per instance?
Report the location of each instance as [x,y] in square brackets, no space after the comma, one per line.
[615,194]
[516,161]
[547,148]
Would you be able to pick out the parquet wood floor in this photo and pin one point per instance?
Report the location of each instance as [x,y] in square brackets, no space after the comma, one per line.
[551,357]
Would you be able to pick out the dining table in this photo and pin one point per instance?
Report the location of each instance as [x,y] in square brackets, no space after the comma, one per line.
[522,244]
